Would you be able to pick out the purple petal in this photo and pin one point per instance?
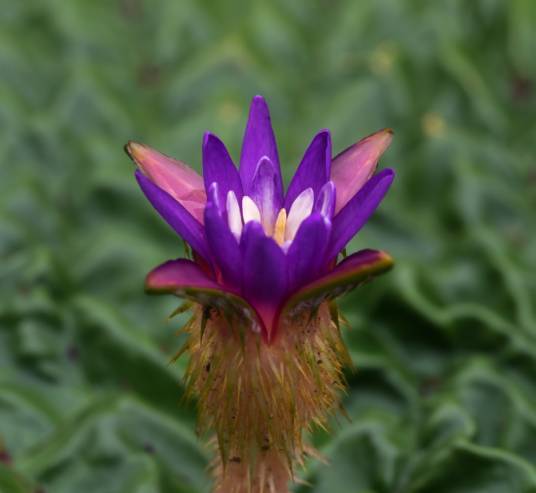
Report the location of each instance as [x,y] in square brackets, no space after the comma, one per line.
[259,141]
[172,176]
[267,192]
[222,243]
[357,211]
[353,167]
[219,167]
[265,273]
[306,254]
[186,226]
[354,270]
[325,202]
[313,170]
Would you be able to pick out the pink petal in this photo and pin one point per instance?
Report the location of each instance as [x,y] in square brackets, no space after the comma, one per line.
[177,275]
[351,169]
[175,177]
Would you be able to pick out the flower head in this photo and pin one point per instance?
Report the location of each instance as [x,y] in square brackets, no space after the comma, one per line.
[265,269]
[256,246]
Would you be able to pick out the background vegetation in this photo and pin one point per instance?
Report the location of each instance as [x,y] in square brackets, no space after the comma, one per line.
[443,399]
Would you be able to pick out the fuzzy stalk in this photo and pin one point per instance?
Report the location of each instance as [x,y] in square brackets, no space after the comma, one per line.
[260,399]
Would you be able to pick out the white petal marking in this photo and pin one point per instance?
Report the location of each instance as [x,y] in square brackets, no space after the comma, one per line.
[234,217]
[285,246]
[264,198]
[250,211]
[299,210]
[325,200]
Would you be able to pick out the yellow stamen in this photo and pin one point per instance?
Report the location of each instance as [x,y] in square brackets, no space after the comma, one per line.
[280,225]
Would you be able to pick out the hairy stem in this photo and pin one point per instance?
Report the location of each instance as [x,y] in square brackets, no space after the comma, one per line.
[260,399]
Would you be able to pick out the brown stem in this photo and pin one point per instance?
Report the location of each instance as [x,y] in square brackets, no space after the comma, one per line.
[269,474]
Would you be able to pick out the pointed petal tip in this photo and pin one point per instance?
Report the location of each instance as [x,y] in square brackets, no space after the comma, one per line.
[385,259]
[258,99]
[152,285]
[324,137]
[259,105]
[388,173]
[385,134]
[382,138]
[173,176]
[353,167]
[208,136]
[379,141]
[147,158]
[325,134]
[161,279]
[127,148]
[211,140]
[175,276]
[368,261]
[379,258]
[218,166]
[134,151]
[314,168]
[259,140]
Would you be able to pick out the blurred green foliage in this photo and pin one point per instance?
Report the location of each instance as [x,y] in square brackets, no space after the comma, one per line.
[443,399]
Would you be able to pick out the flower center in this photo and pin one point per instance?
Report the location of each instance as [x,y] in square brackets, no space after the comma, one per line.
[286,225]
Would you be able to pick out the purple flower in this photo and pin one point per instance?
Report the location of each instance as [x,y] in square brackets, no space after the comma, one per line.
[254,244]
